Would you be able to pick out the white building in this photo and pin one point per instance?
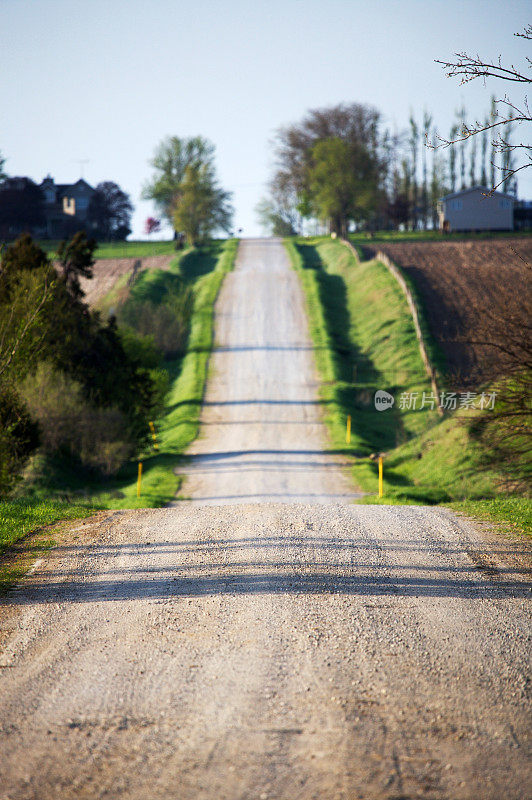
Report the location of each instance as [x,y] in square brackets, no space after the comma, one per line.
[476,209]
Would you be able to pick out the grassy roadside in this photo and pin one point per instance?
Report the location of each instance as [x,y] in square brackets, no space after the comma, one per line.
[120,249]
[205,269]
[22,519]
[508,514]
[365,340]
[357,314]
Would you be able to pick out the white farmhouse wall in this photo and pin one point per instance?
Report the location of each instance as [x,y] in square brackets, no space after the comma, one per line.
[472,210]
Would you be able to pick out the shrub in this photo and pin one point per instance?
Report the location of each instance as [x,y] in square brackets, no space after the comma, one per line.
[96,437]
[19,437]
[167,322]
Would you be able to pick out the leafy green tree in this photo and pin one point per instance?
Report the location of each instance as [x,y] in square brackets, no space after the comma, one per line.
[342,182]
[414,143]
[172,157]
[354,124]
[201,206]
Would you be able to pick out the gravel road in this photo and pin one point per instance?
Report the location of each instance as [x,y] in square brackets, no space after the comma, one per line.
[262,435]
[272,650]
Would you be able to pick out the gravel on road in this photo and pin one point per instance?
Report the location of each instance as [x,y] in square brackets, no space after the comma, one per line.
[269,651]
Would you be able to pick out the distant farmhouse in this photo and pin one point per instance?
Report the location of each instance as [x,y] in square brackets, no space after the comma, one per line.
[66,207]
[47,210]
[475,209]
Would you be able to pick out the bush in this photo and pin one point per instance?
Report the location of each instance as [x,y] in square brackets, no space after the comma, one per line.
[19,437]
[70,426]
[167,323]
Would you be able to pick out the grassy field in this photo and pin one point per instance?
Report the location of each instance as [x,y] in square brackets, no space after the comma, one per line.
[120,249]
[358,316]
[204,270]
[430,236]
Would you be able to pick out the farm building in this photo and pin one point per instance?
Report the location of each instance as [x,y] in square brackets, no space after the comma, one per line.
[475,209]
[66,206]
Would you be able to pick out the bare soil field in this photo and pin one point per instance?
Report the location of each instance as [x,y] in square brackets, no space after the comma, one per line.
[459,282]
[107,271]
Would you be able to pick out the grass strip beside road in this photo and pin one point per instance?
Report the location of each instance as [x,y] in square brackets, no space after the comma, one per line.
[358,315]
[20,520]
[205,269]
[364,340]
[508,514]
[119,249]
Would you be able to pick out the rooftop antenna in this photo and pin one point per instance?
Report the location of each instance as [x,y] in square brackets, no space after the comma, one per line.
[81,162]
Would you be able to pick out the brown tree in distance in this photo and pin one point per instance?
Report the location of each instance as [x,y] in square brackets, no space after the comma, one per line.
[507,113]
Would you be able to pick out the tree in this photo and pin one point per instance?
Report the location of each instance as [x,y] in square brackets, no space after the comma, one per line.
[76,259]
[342,183]
[505,112]
[353,124]
[21,206]
[110,211]
[272,219]
[427,123]
[3,174]
[152,225]
[413,142]
[201,206]
[172,157]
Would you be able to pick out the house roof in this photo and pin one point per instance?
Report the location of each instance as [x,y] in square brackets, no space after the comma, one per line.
[61,188]
[478,188]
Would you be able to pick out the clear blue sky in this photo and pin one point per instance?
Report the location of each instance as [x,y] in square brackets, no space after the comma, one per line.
[106,81]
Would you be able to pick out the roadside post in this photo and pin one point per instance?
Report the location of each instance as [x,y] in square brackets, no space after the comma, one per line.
[154,436]
[380,476]
[139,478]
[348,430]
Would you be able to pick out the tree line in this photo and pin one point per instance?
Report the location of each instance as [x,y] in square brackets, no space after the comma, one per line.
[76,386]
[339,166]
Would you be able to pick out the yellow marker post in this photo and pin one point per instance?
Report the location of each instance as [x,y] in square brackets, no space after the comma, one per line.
[348,430]
[380,476]
[139,478]
[154,436]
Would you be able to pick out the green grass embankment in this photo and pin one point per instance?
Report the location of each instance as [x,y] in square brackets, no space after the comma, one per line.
[205,270]
[358,315]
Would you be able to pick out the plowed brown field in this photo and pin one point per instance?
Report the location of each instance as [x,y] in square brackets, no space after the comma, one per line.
[459,282]
[107,271]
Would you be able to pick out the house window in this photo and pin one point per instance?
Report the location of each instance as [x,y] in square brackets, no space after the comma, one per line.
[83,203]
[505,203]
[456,205]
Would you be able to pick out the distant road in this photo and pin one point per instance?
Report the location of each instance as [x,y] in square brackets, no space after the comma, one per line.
[262,436]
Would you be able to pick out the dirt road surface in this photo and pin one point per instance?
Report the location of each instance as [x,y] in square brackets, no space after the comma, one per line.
[269,651]
[262,435]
